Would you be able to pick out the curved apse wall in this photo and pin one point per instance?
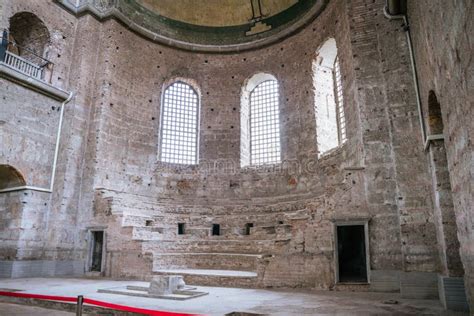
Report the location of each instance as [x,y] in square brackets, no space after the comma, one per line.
[290,205]
[274,222]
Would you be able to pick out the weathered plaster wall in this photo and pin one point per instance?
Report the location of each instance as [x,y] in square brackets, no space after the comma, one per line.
[443,47]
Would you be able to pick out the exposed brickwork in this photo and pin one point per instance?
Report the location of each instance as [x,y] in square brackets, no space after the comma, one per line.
[443,49]
[109,176]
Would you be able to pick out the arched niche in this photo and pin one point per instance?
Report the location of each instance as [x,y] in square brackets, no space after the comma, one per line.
[30,37]
[435,120]
[10,177]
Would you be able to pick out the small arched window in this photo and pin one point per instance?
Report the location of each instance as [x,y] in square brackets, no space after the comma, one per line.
[328,98]
[260,121]
[179,124]
[435,119]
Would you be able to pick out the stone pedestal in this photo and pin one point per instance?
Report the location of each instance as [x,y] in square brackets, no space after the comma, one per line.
[166,284]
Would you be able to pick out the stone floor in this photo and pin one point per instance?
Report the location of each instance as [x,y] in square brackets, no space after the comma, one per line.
[221,301]
[22,310]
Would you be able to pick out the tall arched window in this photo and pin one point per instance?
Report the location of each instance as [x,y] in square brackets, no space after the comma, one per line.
[260,121]
[328,98]
[179,124]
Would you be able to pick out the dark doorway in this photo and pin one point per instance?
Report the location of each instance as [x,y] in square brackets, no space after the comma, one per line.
[216,229]
[351,253]
[97,246]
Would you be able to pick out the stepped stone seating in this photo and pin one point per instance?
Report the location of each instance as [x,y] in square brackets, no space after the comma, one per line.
[234,258]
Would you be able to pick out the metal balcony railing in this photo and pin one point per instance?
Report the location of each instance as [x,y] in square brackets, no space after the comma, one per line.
[30,68]
[23,65]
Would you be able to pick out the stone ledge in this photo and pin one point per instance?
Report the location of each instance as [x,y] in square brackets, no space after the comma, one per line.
[39,86]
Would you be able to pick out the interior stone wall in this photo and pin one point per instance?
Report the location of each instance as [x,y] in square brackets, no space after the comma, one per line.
[443,50]
[31,123]
[47,227]
[109,176]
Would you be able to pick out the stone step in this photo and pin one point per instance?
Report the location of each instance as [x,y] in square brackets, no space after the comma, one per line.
[206,277]
[217,246]
[223,261]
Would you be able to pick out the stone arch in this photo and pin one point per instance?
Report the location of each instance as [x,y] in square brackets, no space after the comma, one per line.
[435,120]
[10,177]
[30,37]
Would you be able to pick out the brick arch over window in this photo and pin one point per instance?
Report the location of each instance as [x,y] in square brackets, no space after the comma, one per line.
[29,35]
[260,121]
[10,177]
[328,98]
[179,131]
[435,120]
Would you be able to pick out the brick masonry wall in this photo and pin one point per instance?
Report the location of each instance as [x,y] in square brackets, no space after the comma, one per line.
[111,143]
[443,49]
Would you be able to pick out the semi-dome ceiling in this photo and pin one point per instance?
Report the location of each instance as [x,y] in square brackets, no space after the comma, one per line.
[207,25]
[217,13]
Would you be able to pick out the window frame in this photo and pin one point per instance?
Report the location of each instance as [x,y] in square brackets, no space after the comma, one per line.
[196,91]
[339,102]
[250,135]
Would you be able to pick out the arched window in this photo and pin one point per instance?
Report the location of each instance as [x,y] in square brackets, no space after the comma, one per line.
[260,121]
[328,98]
[179,124]
[29,37]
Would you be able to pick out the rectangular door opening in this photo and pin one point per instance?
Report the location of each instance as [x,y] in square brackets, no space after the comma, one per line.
[351,254]
[97,250]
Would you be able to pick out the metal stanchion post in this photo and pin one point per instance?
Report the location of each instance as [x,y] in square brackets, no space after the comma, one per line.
[80,301]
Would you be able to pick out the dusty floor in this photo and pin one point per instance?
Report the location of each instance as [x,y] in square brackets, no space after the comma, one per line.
[21,310]
[225,300]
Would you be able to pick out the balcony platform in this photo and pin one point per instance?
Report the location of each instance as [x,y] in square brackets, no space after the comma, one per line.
[10,73]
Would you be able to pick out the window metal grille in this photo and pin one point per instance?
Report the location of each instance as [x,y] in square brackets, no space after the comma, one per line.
[264,124]
[179,124]
[341,119]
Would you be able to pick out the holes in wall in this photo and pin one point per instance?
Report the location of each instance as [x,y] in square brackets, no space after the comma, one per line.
[149,222]
[248,226]
[181,228]
[216,229]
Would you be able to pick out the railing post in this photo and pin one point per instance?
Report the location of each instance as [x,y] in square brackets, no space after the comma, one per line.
[80,301]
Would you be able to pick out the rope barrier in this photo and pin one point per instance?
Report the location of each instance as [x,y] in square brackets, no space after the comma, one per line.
[96,303]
